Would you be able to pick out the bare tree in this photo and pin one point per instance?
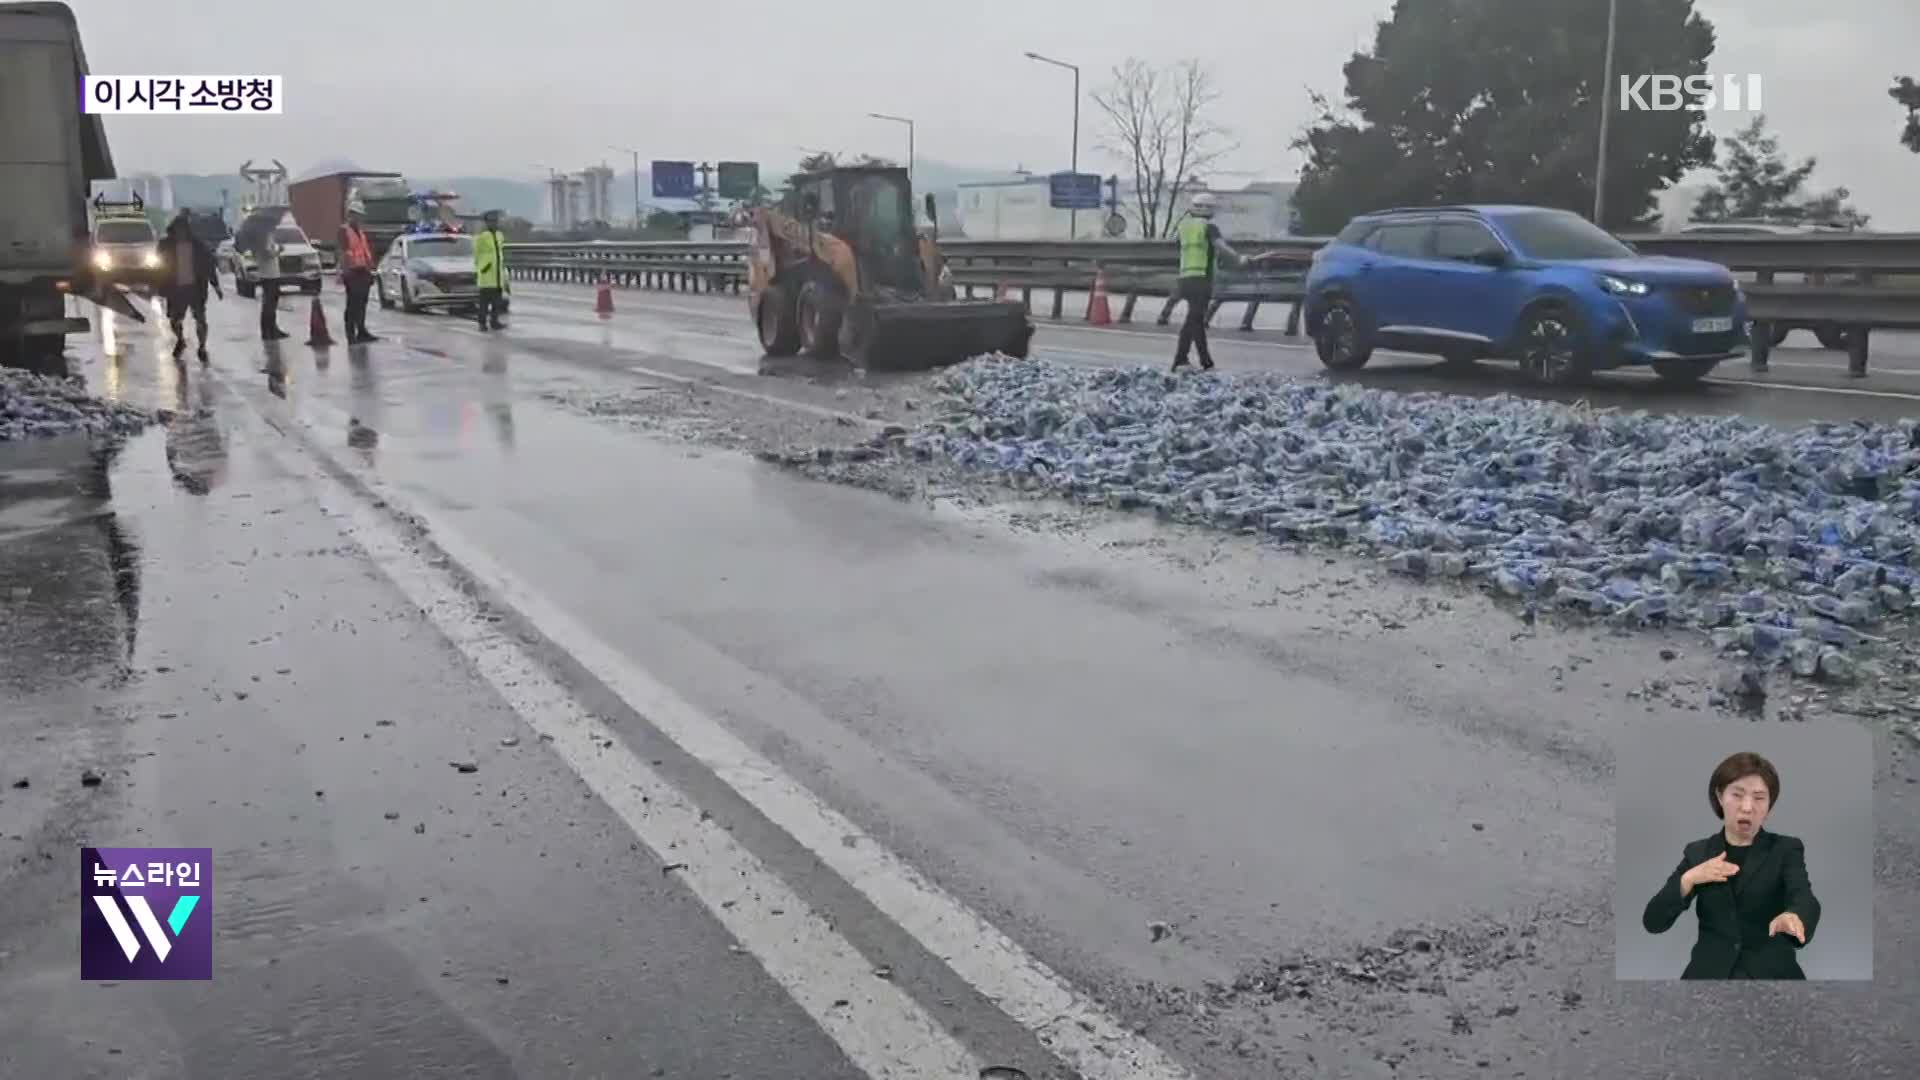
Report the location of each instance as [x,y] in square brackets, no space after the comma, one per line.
[1158,120]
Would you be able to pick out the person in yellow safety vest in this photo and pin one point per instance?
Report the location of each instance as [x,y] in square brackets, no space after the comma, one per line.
[356,272]
[490,269]
[1200,246]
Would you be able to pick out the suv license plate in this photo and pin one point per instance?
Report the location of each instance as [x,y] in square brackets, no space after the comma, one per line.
[1712,326]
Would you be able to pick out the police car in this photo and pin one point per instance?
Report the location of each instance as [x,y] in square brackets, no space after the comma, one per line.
[427,270]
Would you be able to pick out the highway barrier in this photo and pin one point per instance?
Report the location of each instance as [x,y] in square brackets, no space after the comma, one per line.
[1856,282]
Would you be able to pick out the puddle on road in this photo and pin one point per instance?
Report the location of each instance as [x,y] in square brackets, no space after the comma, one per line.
[69,564]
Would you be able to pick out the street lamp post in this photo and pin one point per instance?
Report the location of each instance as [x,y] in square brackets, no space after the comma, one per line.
[909,123]
[636,182]
[1606,120]
[1073,213]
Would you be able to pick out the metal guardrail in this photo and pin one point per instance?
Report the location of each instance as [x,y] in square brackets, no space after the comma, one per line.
[1838,273]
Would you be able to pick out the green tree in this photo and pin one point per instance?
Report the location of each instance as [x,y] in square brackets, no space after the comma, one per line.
[1907,92]
[1499,101]
[667,224]
[1755,182]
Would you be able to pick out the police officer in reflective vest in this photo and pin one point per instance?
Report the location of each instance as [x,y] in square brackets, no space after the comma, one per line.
[1200,247]
[356,272]
[490,270]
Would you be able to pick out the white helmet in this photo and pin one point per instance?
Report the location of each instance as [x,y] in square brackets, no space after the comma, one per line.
[1204,204]
[356,207]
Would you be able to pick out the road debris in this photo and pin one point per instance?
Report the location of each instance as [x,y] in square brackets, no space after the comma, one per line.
[37,406]
[1763,537]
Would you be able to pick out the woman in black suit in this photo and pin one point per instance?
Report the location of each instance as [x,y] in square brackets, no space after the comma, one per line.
[1756,906]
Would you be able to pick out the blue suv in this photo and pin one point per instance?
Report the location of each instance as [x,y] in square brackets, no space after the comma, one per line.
[1541,286]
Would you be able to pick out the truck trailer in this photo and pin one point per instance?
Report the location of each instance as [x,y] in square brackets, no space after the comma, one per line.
[320,206]
[50,153]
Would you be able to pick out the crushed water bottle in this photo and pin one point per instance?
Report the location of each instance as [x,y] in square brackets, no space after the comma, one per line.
[1614,513]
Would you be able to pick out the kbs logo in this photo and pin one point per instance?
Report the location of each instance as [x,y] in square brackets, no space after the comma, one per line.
[1671,93]
[146,913]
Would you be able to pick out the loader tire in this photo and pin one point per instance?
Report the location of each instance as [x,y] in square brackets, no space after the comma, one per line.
[779,332]
[819,312]
[1021,345]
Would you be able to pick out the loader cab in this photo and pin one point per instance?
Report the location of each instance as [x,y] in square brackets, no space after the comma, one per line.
[871,208]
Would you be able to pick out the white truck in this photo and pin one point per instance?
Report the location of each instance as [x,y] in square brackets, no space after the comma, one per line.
[50,152]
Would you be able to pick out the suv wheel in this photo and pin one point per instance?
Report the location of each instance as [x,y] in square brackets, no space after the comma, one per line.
[1549,348]
[1342,342]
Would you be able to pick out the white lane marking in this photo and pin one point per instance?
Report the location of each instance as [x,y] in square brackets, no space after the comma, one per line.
[1844,391]
[879,1027]
[1065,1020]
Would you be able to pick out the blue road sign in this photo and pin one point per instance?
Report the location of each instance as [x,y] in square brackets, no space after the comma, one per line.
[1074,191]
[673,180]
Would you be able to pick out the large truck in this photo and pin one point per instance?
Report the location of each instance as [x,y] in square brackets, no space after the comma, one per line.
[320,206]
[50,153]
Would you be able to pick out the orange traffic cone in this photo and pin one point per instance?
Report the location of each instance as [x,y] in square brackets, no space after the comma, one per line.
[317,325]
[603,300]
[1097,311]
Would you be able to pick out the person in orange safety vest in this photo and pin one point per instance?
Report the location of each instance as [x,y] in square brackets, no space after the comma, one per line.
[356,272]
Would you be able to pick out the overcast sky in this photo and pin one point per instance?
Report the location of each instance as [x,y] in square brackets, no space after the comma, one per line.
[440,87]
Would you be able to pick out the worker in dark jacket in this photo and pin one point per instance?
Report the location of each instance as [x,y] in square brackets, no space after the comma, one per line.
[187,271]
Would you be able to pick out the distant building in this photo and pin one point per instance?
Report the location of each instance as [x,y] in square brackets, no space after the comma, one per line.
[1018,209]
[565,200]
[154,190]
[597,189]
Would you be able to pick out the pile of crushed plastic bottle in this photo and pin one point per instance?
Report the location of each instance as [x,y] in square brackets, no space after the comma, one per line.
[35,406]
[1790,544]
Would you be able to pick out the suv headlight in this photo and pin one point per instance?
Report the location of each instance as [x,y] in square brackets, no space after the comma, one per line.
[103,260]
[150,260]
[1622,287]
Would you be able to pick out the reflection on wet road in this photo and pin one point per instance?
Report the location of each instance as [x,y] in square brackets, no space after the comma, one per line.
[1136,759]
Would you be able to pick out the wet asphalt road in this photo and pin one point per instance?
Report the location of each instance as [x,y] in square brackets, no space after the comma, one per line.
[1278,760]
[1803,383]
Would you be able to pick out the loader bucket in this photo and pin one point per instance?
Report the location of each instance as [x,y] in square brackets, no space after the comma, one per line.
[917,336]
